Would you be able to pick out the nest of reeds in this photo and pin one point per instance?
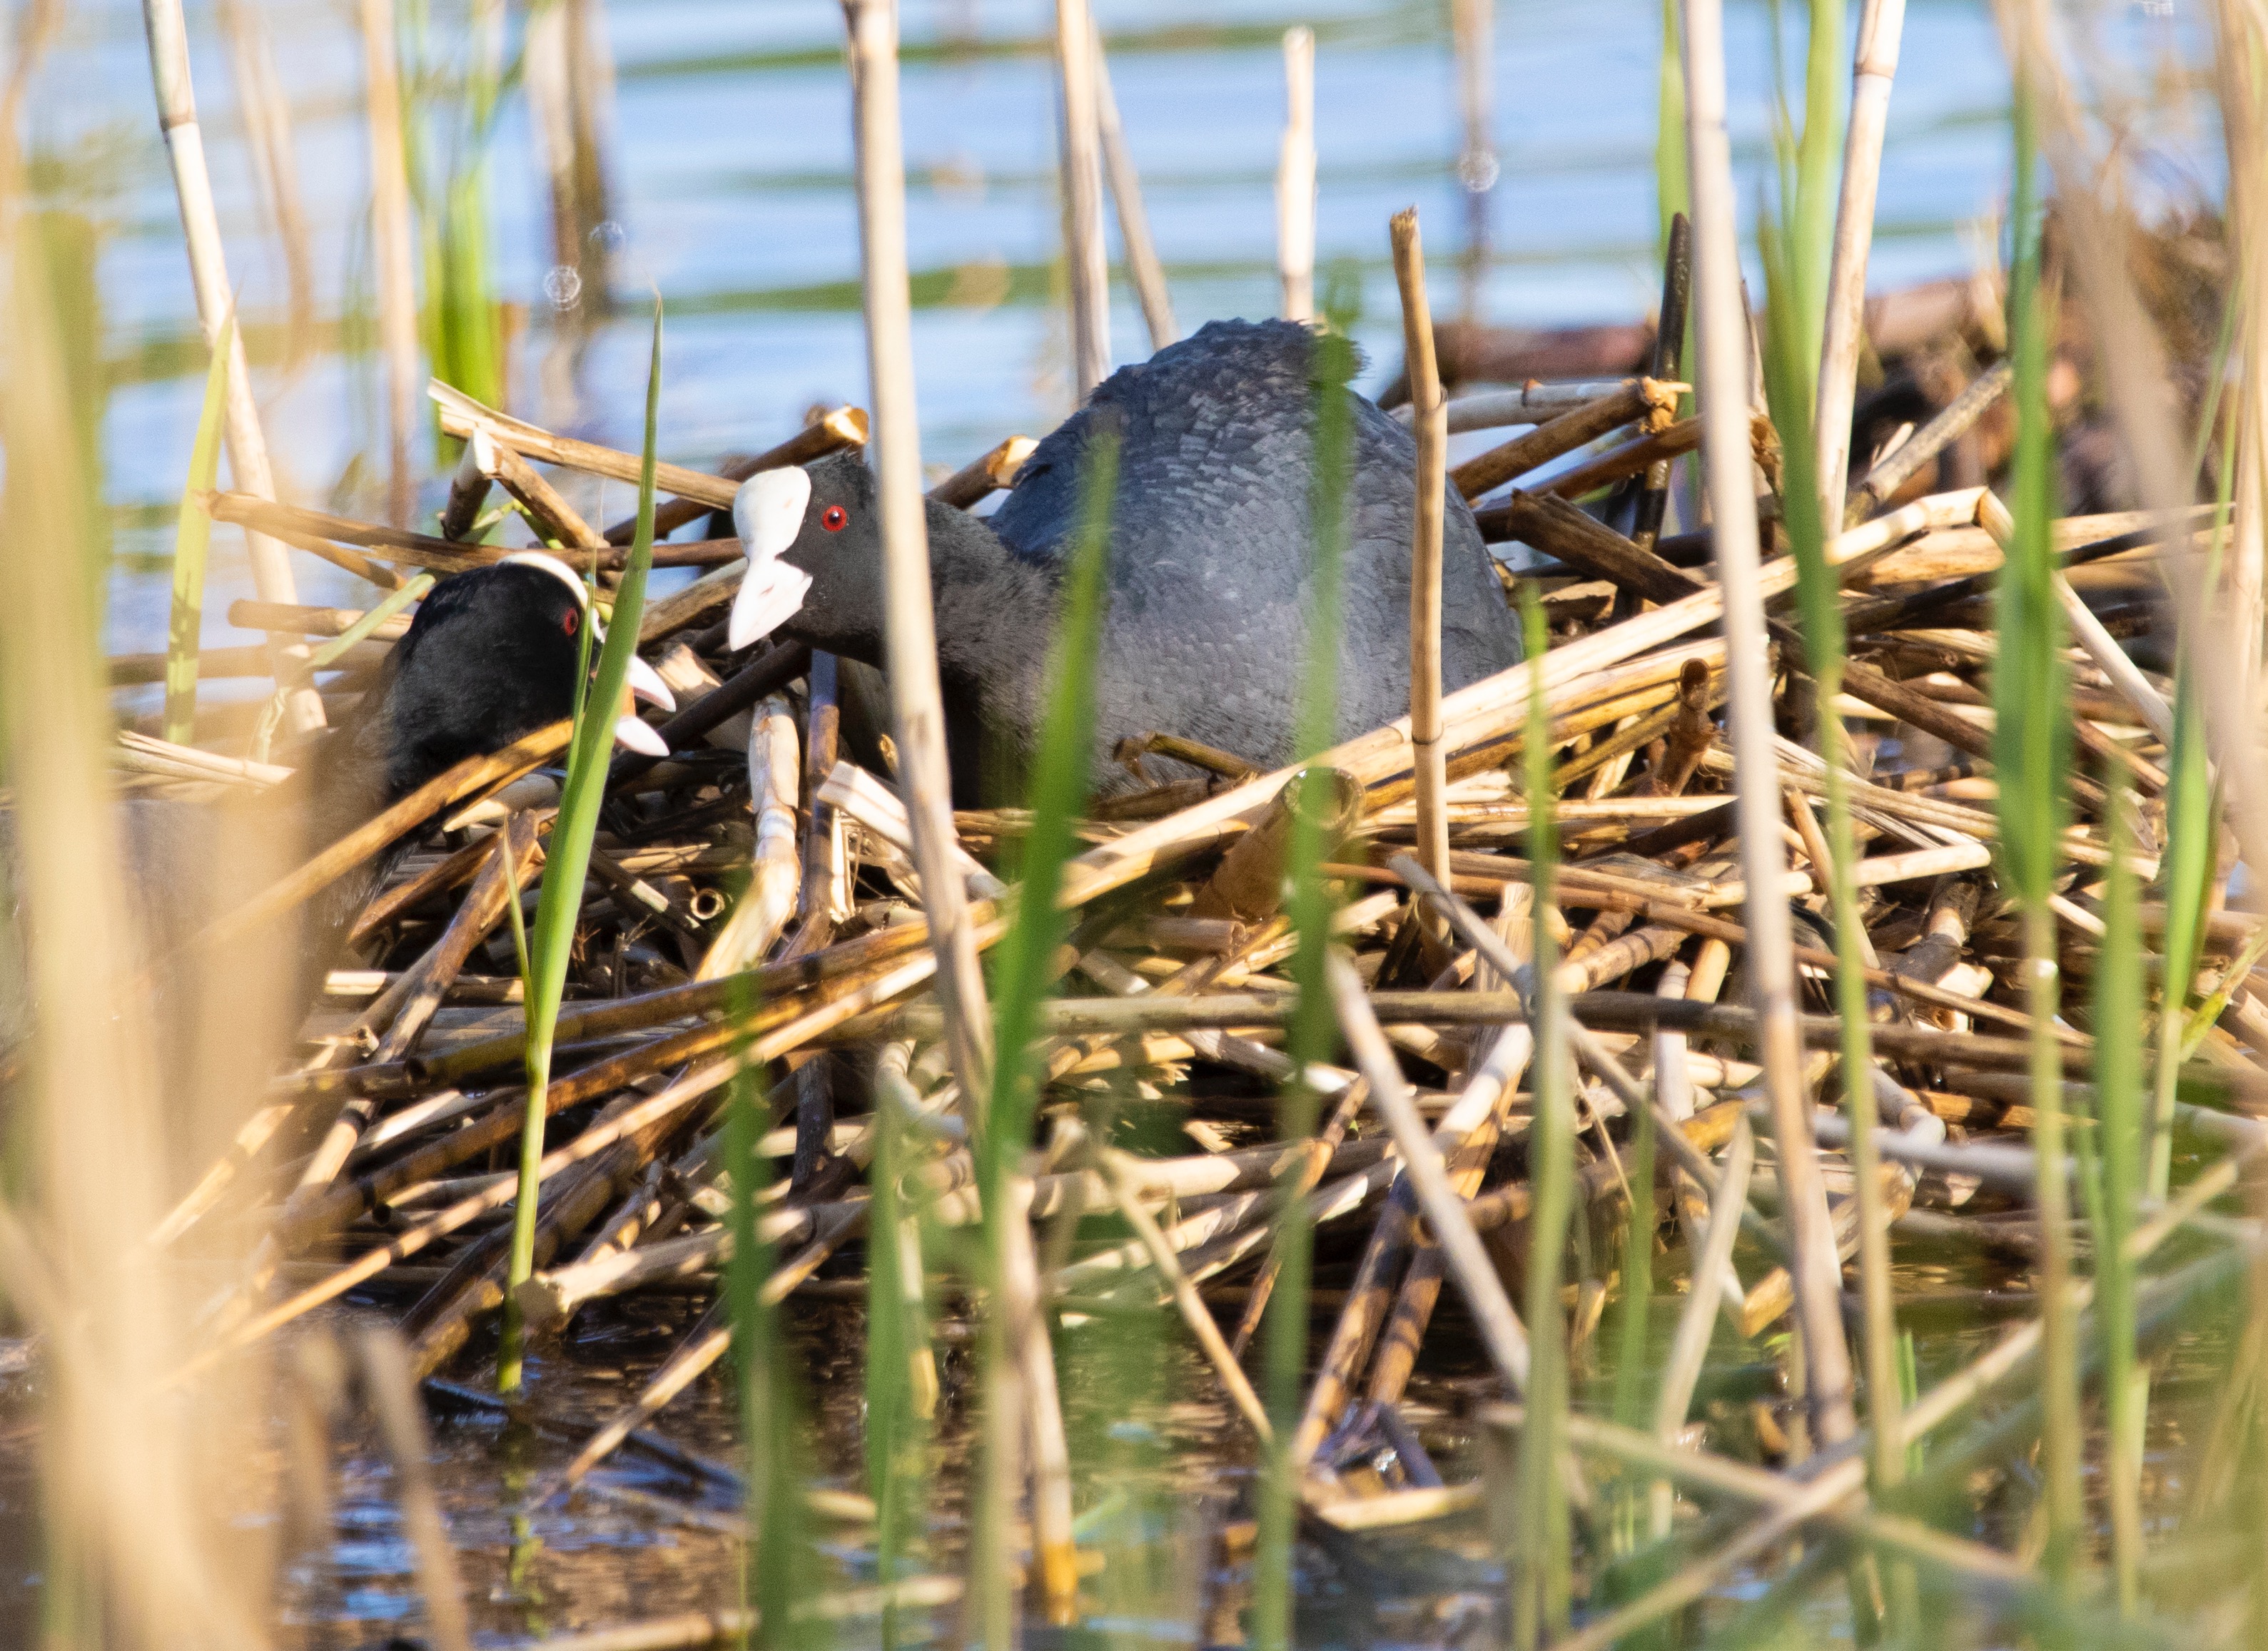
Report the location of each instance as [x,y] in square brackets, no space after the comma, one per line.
[1553,1022]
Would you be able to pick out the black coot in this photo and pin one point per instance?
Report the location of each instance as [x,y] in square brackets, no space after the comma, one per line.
[489,658]
[1210,574]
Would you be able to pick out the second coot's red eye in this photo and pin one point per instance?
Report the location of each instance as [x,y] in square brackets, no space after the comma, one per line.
[569,620]
[835,518]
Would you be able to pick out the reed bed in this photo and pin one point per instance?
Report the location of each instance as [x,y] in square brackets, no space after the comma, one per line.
[1760,1106]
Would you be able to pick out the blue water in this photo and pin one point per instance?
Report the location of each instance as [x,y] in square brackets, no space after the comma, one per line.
[732,162]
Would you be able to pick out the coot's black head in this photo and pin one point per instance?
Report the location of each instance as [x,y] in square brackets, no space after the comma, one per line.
[814,542]
[490,659]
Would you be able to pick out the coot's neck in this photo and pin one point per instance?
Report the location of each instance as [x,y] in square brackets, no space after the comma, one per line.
[995,612]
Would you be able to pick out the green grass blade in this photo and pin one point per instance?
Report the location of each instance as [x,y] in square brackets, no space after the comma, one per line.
[1543,1590]
[192,541]
[1021,976]
[568,860]
[1819,170]
[1331,367]
[1670,182]
[2192,831]
[2120,1150]
[2031,741]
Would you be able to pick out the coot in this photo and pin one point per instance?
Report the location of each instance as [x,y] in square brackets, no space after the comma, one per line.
[1210,565]
[489,658]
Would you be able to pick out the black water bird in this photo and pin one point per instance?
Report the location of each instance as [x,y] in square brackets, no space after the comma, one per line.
[1211,578]
[489,658]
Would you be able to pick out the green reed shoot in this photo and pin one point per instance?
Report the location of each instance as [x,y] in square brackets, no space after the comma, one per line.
[1818,173]
[1791,375]
[556,911]
[1020,979]
[782,1560]
[1671,184]
[894,1432]
[2030,752]
[1331,369]
[2192,830]
[192,540]
[2119,1149]
[1543,1589]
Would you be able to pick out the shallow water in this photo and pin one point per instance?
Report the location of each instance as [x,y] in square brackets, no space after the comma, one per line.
[733,198]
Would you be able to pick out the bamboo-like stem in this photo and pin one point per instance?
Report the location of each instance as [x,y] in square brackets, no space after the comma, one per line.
[1880,25]
[247,443]
[910,616]
[1722,334]
[1079,65]
[1295,178]
[393,243]
[1429,425]
[1142,267]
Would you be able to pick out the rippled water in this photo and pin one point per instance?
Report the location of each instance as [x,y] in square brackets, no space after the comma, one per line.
[731,166]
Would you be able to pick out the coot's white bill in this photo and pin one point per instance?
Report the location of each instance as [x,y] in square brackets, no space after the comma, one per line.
[647,684]
[639,737]
[768,514]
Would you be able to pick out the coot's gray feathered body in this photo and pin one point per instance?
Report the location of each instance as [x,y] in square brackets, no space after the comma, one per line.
[1211,564]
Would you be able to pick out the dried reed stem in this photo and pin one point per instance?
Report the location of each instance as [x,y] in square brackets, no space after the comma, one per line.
[909,617]
[1430,424]
[1881,24]
[1721,328]
[1078,62]
[1142,267]
[247,443]
[1295,178]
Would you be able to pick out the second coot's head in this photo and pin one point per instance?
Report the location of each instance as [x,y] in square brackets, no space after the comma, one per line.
[490,659]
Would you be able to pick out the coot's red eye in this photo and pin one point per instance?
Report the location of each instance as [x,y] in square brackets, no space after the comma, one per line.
[835,518]
[570,621]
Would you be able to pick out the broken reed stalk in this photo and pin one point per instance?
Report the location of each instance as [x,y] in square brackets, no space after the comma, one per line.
[1295,178]
[1721,332]
[1880,25]
[1429,422]
[1078,67]
[917,700]
[167,31]
[1142,267]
